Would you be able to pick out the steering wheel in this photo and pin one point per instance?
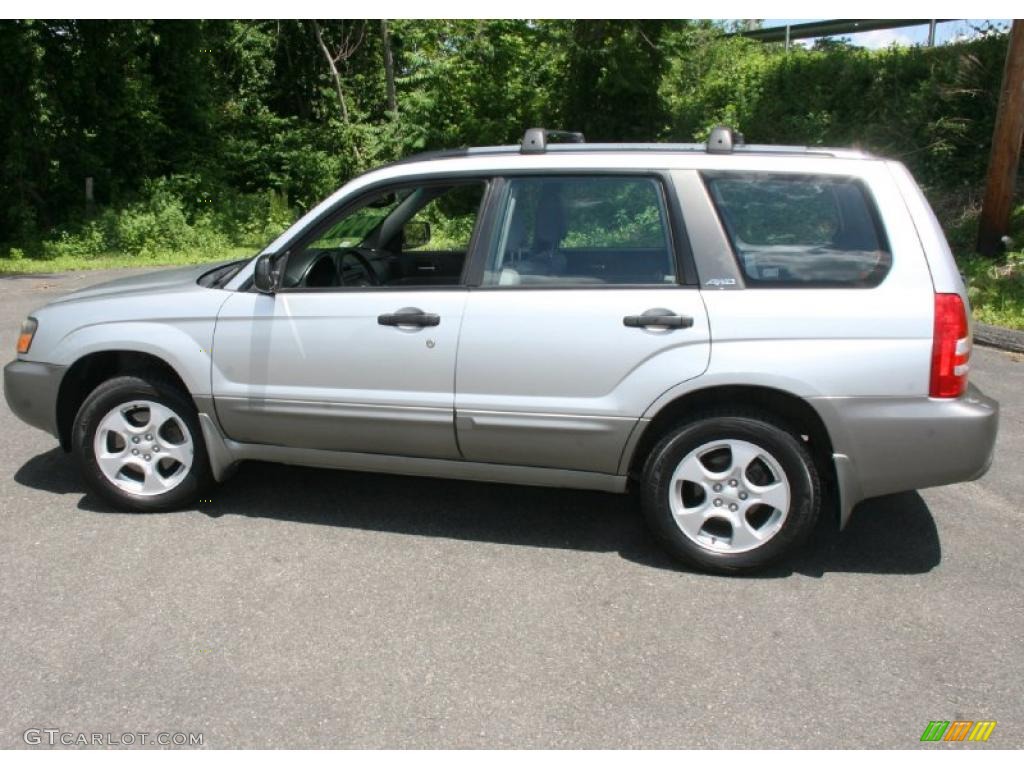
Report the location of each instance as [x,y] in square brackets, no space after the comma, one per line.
[368,276]
[321,273]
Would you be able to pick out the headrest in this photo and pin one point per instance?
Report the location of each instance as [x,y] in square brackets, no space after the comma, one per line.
[549,227]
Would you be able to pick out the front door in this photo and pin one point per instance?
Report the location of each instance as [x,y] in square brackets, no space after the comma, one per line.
[356,352]
[581,321]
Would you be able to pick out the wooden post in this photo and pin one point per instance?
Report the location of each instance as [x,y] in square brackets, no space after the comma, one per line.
[1006,145]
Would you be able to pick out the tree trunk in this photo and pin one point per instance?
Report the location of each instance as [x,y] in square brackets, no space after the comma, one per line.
[336,76]
[389,69]
[1006,148]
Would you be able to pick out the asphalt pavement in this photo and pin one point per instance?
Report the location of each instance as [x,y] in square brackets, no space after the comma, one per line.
[302,607]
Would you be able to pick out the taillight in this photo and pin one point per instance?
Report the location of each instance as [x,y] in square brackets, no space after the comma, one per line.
[951,347]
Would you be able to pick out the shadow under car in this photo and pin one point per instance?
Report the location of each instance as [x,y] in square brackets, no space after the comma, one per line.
[889,535]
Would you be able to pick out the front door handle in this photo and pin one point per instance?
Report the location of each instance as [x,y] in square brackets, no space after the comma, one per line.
[409,316]
[657,318]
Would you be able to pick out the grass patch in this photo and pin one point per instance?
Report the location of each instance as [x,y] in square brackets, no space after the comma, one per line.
[173,222]
[994,285]
[116,260]
[996,288]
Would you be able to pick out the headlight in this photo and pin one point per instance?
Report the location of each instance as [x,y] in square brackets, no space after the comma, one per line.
[28,331]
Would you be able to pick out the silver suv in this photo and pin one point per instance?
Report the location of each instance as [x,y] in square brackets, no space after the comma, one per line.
[746,335]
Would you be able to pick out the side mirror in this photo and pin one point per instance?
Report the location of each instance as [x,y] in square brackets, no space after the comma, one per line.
[415,234]
[266,276]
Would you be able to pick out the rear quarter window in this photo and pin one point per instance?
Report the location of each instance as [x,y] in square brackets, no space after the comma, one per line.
[790,230]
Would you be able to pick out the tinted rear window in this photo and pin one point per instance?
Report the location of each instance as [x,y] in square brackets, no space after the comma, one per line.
[798,230]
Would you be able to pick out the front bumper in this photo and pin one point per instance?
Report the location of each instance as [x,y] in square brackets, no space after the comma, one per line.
[31,391]
[889,445]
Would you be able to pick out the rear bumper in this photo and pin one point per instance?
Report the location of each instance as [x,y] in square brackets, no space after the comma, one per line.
[888,445]
[31,392]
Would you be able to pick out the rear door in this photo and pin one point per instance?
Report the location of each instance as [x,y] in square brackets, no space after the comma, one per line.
[584,311]
[832,296]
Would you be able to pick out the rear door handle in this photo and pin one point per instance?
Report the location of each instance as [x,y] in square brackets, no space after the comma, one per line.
[657,318]
[409,316]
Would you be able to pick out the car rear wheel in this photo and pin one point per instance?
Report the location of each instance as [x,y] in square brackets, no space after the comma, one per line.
[138,444]
[731,493]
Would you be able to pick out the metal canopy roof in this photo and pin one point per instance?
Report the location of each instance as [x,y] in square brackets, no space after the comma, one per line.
[829,27]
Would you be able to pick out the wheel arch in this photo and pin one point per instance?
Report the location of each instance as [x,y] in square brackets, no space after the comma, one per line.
[793,411]
[92,369]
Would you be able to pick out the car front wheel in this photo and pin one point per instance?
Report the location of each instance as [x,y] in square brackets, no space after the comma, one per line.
[731,493]
[138,444]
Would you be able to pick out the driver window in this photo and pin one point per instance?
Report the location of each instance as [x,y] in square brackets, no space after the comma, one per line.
[414,236]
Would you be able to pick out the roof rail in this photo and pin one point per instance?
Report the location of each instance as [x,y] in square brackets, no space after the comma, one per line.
[733,141]
[723,139]
[535,140]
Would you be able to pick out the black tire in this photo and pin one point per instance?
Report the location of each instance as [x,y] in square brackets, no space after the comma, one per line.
[121,390]
[773,437]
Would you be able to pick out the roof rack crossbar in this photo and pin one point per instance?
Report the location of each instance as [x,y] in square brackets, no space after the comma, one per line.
[536,139]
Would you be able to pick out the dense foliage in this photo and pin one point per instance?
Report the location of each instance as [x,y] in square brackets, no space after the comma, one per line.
[201,135]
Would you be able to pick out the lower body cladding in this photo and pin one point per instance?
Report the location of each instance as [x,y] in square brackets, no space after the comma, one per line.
[890,445]
[225,453]
[338,427]
[880,446]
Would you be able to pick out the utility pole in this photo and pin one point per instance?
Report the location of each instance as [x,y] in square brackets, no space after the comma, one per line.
[1006,146]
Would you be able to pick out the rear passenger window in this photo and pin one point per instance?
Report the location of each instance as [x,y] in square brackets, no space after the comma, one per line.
[580,231]
[796,230]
